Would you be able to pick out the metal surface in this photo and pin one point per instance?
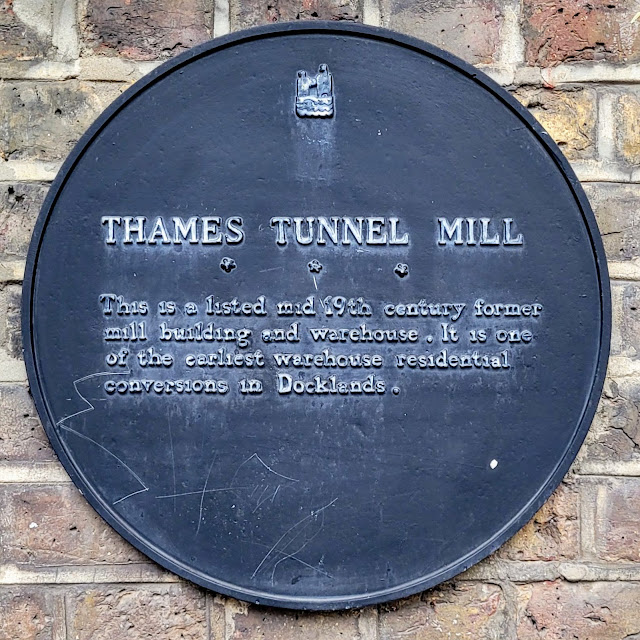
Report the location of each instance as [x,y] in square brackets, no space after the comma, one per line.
[311,359]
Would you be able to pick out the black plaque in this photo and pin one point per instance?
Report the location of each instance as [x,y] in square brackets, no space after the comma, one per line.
[316,315]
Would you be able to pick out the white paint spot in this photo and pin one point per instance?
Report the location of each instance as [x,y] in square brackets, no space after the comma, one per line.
[33,525]
[493,464]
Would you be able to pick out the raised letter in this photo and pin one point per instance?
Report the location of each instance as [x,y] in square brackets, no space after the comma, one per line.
[210,232]
[111,221]
[375,234]
[332,231]
[182,230]
[393,235]
[484,233]
[159,230]
[450,230]
[471,236]
[235,234]
[508,240]
[308,239]
[130,228]
[279,222]
[349,226]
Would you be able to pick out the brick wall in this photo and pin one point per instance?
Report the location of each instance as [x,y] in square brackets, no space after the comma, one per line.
[572,572]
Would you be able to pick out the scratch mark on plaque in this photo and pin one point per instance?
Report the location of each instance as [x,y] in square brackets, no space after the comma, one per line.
[274,548]
[173,463]
[271,497]
[130,495]
[302,562]
[258,491]
[287,556]
[315,283]
[113,455]
[260,500]
[60,424]
[264,464]
[306,564]
[272,269]
[90,406]
[265,488]
[199,492]
[204,490]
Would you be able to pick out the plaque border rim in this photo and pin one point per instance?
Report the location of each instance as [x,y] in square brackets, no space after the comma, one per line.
[318,603]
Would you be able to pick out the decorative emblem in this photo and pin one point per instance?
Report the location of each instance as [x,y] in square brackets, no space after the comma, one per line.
[401,270]
[315,266]
[314,94]
[228,264]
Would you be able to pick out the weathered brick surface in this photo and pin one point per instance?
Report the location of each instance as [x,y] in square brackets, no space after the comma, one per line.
[575,30]
[625,333]
[54,525]
[21,434]
[627,127]
[552,534]
[261,623]
[464,610]
[25,29]
[144,30]
[10,333]
[162,612]
[217,617]
[614,436]
[251,13]
[29,613]
[467,28]
[617,521]
[19,207]
[585,611]
[617,210]
[569,116]
[42,121]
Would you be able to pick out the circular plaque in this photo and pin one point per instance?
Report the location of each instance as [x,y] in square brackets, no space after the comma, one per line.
[316,315]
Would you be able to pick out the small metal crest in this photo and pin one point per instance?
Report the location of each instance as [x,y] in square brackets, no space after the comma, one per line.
[314,94]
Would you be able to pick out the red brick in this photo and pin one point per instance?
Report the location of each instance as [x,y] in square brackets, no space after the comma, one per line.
[25,35]
[54,525]
[29,613]
[578,611]
[552,534]
[144,30]
[465,611]
[250,13]
[260,623]
[617,522]
[163,612]
[558,31]
[21,434]
[468,28]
